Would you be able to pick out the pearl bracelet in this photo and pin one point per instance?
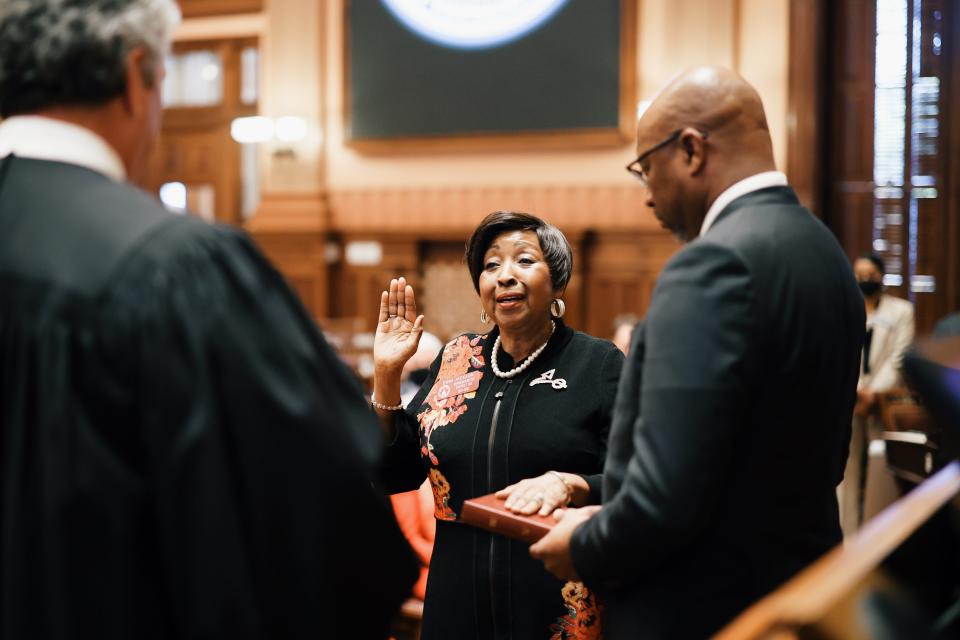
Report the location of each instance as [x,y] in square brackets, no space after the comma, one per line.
[384,407]
[565,484]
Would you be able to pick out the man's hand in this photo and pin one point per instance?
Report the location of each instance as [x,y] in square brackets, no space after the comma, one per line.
[554,548]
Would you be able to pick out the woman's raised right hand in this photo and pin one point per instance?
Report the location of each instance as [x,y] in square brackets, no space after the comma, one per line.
[399,327]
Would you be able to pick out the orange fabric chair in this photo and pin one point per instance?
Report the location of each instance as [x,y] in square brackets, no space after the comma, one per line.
[414,512]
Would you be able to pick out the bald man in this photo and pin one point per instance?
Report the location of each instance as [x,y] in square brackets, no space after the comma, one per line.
[733,413]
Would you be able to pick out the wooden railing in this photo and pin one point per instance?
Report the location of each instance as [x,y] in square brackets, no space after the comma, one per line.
[826,597]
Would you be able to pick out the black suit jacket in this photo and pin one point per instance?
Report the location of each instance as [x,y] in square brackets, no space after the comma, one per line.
[731,424]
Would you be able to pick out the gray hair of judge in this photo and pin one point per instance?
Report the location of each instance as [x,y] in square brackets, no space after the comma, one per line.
[59,53]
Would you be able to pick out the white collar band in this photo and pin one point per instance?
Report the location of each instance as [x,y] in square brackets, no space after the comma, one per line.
[44,138]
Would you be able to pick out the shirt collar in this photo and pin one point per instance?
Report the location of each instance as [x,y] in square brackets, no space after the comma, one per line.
[755,182]
[44,138]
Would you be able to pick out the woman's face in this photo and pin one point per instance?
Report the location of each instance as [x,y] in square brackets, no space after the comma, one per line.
[515,285]
[868,277]
[865,271]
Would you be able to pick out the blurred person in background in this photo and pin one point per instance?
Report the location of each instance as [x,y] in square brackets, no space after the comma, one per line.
[523,409]
[890,330]
[889,333]
[623,326]
[183,455]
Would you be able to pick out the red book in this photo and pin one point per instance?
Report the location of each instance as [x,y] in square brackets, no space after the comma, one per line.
[487,512]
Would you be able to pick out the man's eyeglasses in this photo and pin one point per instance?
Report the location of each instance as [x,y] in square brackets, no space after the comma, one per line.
[636,169]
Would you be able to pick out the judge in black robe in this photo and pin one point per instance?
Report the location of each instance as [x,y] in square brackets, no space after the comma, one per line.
[181,454]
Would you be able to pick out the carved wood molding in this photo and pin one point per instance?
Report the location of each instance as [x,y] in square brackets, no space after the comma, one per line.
[619,246]
[219,27]
[194,8]
[457,210]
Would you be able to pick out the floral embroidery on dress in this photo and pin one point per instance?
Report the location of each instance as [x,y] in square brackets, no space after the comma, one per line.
[582,621]
[441,496]
[457,380]
[461,358]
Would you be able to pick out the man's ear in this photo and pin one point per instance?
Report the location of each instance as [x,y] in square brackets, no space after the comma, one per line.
[134,97]
[694,148]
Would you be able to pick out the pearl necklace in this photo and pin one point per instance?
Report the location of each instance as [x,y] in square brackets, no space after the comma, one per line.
[523,365]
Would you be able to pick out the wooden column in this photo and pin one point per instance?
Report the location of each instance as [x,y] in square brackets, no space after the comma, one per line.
[292,223]
[805,101]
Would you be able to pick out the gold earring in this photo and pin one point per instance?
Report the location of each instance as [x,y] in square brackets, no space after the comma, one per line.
[561,308]
[484,318]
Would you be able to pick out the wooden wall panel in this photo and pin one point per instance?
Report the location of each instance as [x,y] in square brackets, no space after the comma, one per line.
[448,300]
[613,274]
[621,263]
[849,153]
[806,100]
[621,272]
[195,146]
[292,231]
[614,269]
[200,157]
[300,258]
[357,287]
[575,296]
[456,210]
[951,287]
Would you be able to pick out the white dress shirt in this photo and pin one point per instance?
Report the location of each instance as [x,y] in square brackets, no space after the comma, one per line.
[43,138]
[755,182]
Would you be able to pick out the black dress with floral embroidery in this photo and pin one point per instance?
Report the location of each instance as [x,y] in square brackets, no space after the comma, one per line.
[472,433]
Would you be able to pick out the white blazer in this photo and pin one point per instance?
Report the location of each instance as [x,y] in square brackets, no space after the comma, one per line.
[893,328]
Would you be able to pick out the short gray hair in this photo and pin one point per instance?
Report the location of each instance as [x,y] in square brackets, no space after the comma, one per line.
[73,52]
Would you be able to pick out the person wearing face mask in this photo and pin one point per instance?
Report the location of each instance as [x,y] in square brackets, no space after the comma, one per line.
[890,330]
[523,409]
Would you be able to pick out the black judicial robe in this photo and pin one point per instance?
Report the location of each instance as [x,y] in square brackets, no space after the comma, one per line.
[181,454]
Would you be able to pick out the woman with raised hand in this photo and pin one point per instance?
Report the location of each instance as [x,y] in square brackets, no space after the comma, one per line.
[523,409]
